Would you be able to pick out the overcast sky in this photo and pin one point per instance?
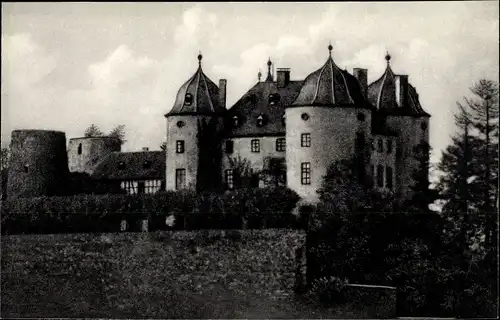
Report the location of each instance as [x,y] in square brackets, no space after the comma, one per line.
[68,65]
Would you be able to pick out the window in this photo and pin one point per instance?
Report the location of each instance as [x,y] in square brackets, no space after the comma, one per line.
[80,148]
[255,145]
[305,116]
[389,146]
[260,120]
[152,186]
[180,179]
[235,121]
[359,142]
[305,140]
[361,117]
[229,179]
[280,144]
[305,173]
[388,177]
[380,145]
[229,146]
[26,168]
[121,165]
[380,176]
[274,98]
[179,146]
[180,124]
[146,164]
[423,126]
[188,100]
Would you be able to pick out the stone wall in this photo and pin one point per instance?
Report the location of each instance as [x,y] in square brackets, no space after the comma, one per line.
[201,274]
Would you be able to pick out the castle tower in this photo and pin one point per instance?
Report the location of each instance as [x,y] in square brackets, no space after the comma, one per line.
[84,153]
[399,109]
[193,125]
[38,165]
[329,121]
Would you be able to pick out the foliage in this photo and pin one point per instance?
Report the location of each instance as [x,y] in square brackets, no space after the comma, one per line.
[93,131]
[262,208]
[118,132]
[328,290]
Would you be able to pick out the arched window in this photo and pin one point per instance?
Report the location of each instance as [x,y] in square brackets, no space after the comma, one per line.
[79,149]
[236,121]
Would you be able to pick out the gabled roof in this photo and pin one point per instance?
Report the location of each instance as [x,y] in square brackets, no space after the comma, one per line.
[198,95]
[131,166]
[258,101]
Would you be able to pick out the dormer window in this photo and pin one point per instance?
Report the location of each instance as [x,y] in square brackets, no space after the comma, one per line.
[236,121]
[188,100]
[260,120]
[121,165]
[274,98]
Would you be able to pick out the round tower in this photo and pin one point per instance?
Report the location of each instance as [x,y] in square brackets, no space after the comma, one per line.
[397,104]
[85,153]
[330,120]
[193,125]
[38,165]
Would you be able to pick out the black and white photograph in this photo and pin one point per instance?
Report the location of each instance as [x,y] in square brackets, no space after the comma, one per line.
[249,160]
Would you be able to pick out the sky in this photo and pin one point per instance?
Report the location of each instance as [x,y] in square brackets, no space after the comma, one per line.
[66,66]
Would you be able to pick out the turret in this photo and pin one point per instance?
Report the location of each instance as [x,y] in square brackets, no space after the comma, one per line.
[193,125]
[329,121]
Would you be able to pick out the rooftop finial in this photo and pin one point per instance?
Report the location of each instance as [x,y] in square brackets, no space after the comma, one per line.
[259,75]
[269,75]
[387,57]
[199,58]
[330,48]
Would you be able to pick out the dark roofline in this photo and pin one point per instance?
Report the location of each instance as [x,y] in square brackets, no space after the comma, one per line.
[101,137]
[216,114]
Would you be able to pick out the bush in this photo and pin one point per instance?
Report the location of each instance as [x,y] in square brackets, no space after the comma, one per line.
[250,208]
[328,290]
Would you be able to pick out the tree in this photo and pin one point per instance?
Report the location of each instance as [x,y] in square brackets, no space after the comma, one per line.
[93,131]
[4,162]
[118,132]
[274,172]
[243,173]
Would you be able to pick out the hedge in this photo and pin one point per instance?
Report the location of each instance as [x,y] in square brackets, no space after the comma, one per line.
[240,209]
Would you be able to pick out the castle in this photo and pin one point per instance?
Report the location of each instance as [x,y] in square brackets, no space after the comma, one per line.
[296,128]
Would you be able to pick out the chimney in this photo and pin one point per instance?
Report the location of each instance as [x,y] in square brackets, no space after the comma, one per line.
[283,77]
[402,90]
[362,76]
[145,149]
[222,92]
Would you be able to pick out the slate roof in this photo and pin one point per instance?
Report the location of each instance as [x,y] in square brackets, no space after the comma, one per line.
[329,86]
[257,102]
[204,95]
[382,94]
[131,166]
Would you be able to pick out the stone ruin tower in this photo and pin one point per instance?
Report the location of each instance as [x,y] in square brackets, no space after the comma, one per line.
[86,152]
[38,165]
